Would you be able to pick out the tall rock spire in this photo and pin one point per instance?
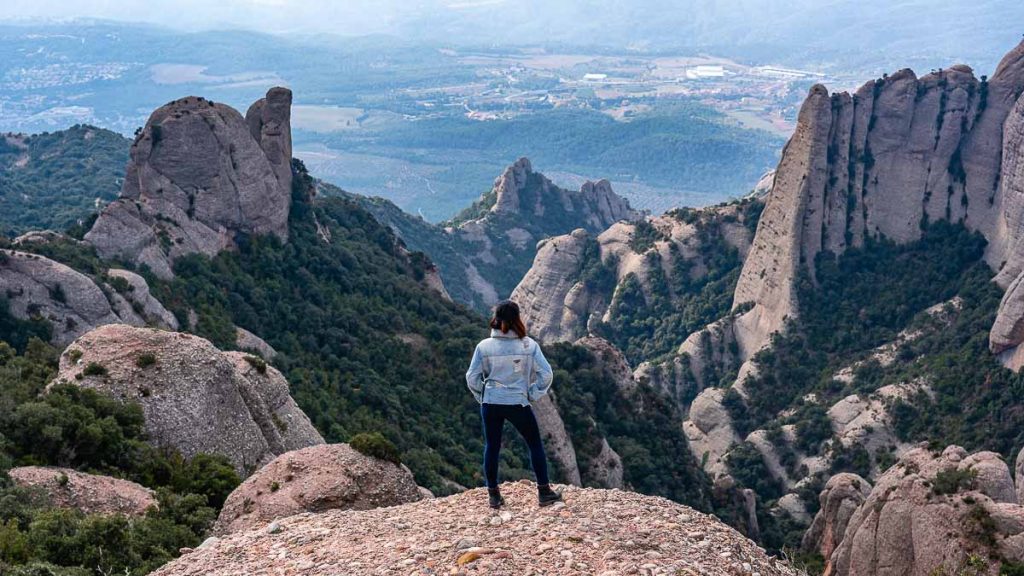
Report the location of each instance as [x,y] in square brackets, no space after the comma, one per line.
[199,175]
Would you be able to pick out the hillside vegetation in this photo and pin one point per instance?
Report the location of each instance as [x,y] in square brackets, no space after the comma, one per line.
[54,180]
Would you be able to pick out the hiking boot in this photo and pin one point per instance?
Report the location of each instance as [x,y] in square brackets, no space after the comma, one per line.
[494,498]
[546,496]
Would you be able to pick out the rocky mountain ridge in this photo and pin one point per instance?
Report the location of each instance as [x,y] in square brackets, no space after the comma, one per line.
[900,151]
[878,164]
[485,250]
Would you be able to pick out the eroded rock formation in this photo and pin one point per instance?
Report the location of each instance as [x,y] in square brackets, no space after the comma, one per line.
[558,295]
[523,208]
[842,496]
[316,479]
[934,513]
[137,293]
[196,399]
[37,287]
[87,493]
[200,175]
[900,151]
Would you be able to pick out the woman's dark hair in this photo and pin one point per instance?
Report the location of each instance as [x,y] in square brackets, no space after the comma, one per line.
[506,317]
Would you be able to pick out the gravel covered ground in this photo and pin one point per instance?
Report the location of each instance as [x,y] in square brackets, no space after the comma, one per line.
[604,532]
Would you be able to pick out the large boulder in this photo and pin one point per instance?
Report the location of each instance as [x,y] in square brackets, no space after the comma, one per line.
[1019,475]
[934,513]
[136,291]
[87,493]
[843,494]
[196,399]
[199,176]
[37,287]
[709,430]
[248,341]
[596,531]
[316,479]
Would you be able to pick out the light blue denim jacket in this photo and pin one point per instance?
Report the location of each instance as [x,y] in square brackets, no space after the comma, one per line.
[508,370]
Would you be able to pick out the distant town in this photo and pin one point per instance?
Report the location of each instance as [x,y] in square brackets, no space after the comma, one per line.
[622,86]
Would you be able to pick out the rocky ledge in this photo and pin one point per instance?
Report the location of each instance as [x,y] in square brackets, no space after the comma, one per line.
[596,532]
[87,493]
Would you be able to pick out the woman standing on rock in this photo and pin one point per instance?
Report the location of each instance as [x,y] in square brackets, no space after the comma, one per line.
[507,373]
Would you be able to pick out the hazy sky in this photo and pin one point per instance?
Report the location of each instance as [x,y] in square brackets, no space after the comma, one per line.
[919,32]
[339,16]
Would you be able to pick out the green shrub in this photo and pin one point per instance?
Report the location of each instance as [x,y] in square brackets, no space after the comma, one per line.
[375,445]
[953,480]
[258,363]
[145,360]
[1010,568]
[94,369]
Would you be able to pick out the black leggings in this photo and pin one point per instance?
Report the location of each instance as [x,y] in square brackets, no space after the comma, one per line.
[494,417]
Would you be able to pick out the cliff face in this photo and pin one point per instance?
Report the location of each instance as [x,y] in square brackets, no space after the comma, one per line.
[899,152]
[561,297]
[200,174]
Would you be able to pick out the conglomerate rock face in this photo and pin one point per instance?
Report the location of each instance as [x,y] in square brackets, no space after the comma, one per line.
[87,493]
[1019,476]
[602,532]
[37,287]
[877,163]
[196,399]
[843,494]
[316,479]
[934,513]
[199,176]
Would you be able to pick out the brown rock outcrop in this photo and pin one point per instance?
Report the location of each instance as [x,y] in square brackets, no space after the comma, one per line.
[933,513]
[316,479]
[196,399]
[87,493]
[199,175]
[601,532]
[842,495]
